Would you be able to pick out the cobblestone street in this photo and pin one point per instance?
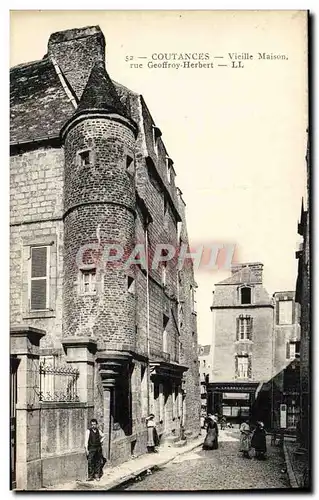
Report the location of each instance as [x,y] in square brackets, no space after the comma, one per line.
[222,469]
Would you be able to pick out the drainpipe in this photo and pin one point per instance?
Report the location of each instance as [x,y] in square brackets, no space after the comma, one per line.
[147,321]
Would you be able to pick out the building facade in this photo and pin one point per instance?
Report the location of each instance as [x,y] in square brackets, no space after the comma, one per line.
[242,342]
[205,362]
[286,364]
[256,346]
[303,297]
[93,195]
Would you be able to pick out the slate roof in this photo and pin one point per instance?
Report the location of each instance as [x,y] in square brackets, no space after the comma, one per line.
[100,92]
[39,105]
[245,275]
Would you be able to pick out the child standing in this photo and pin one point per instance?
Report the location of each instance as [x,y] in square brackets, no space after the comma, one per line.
[93,448]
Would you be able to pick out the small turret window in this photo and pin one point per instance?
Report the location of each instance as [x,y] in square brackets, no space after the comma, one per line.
[130,165]
[88,282]
[85,157]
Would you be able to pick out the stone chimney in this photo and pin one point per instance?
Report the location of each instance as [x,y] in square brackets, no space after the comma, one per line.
[76,51]
[256,268]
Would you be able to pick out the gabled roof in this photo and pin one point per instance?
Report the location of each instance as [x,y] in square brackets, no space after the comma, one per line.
[39,105]
[245,275]
[100,92]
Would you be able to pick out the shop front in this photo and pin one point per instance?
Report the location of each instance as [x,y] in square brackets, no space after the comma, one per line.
[232,401]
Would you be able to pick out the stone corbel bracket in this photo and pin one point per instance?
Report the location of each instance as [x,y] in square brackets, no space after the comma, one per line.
[113,365]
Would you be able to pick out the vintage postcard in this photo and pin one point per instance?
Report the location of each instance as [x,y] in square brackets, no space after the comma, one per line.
[160,262]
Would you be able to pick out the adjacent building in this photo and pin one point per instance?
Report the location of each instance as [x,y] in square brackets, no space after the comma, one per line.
[242,313]
[92,335]
[285,385]
[205,362]
[256,344]
[303,297]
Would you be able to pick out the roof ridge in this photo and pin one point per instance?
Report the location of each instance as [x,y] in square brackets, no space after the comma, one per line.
[233,278]
[30,63]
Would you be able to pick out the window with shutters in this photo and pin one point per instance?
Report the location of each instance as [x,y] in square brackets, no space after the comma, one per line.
[88,281]
[39,278]
[243,366]
[244,328]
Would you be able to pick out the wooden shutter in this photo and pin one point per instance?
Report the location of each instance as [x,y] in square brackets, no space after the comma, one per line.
[39,278]
[249,366]
[237,328]
[288,350]
[236,366]
[250,334]
[277,312]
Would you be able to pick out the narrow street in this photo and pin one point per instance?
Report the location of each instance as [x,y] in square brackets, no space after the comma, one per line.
[222,469]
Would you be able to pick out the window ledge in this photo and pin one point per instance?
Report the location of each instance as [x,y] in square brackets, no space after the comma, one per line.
[246,341]
[47,313]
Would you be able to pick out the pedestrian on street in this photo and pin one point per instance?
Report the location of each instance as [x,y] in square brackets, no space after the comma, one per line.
[93,448]
[152,436]
[259,441]
[223,422]
[211,439]
[245,436]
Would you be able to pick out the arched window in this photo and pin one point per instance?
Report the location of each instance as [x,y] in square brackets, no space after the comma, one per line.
[245,295]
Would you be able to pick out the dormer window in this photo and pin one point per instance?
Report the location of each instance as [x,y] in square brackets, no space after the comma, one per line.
[245,295]
[169,163]
[85,157]
[156,135]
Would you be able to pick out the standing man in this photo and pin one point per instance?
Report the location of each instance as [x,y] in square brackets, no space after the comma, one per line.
[93,448]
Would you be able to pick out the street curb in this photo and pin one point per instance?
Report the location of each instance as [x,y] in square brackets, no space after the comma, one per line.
[291,474]
[129,477]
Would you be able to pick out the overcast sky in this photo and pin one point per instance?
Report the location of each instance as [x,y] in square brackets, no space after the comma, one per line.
[237,136]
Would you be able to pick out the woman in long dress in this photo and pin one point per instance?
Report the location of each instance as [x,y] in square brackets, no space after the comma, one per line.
[259,441]
[211,439]
[152,436]
[244,445]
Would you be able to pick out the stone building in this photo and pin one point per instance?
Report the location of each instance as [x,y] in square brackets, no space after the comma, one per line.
[303,297]
[286,366]
[242,342]
[93,332]
[205,371]
[256,344]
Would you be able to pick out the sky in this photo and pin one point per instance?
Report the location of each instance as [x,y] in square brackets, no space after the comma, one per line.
[237,136]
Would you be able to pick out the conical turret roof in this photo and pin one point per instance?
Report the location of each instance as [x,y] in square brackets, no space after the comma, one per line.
[100,93]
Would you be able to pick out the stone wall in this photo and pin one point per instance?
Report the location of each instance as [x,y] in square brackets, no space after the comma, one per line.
[36,184]
[63,427]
